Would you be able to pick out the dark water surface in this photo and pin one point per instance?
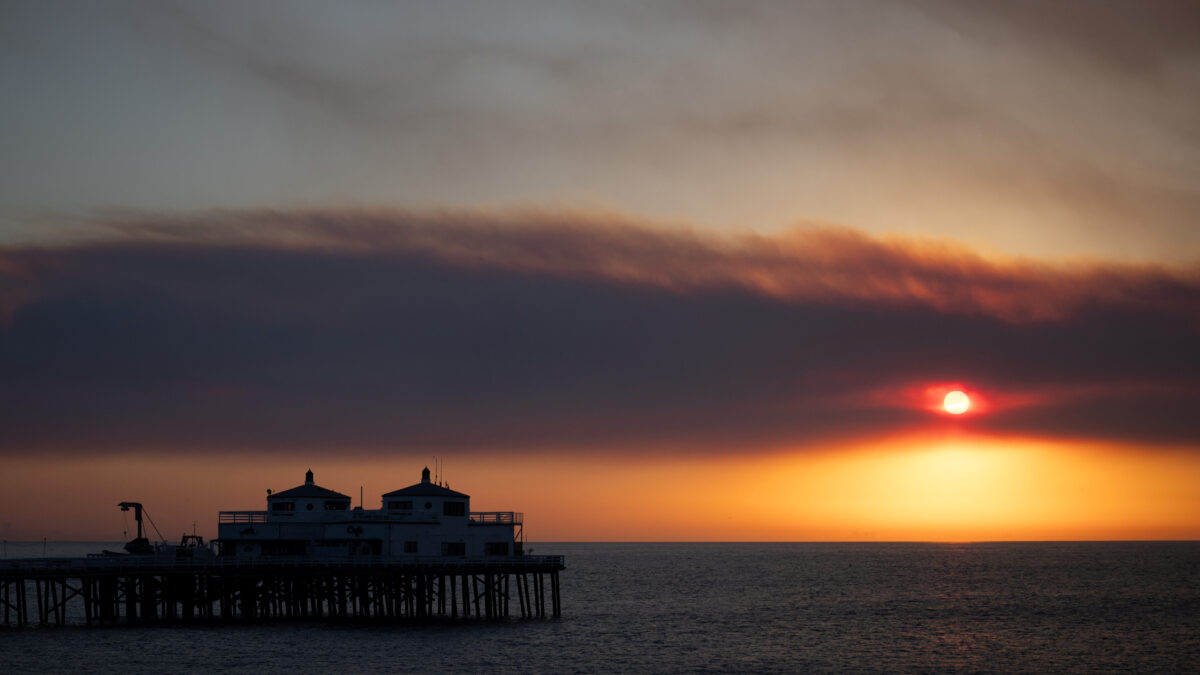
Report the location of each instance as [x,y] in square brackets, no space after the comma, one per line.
[1083,607]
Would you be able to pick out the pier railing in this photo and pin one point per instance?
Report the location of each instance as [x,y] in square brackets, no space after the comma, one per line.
[478,517]
[242,517]
[133,562]
[501,517]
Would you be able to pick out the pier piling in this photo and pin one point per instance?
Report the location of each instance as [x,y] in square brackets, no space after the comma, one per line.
[125,590]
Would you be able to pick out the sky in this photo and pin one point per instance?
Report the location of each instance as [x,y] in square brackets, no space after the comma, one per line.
[643,271]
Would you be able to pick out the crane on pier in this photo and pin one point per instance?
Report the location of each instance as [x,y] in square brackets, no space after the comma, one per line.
[140,545]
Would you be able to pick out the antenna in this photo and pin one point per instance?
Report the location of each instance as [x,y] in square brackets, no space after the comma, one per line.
[360,497]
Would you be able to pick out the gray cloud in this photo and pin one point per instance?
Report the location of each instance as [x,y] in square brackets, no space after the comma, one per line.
[1062,128]
[1135,39]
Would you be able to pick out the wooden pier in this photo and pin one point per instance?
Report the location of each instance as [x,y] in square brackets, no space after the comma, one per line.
[109,590]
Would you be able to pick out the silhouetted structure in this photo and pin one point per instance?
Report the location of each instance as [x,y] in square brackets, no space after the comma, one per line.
[424,554]
[426,519]
[55,591]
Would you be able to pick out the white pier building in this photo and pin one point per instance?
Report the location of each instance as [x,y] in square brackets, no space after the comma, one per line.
[423,520]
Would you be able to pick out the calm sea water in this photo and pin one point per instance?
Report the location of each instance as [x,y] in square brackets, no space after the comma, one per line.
[1083,607]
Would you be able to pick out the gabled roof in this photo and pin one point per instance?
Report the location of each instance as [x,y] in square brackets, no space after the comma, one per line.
[425,490]
[315,491]
[310,490]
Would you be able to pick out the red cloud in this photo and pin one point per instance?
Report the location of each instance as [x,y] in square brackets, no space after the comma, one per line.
[816,264]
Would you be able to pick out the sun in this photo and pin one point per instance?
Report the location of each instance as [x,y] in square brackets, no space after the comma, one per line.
[956,403]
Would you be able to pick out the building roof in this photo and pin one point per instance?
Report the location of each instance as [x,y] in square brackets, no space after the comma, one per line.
[425,489]
[309,489]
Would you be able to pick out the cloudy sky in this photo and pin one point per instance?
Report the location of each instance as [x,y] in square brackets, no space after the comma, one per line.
[672,258]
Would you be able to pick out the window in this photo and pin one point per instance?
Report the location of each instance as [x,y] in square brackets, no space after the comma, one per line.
[454,509]
[336,506]
[283,506]
[410,547]
[399,506]
[283,548]
[495,548]
[454,548]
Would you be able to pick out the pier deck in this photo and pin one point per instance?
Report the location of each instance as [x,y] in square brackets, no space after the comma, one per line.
[129,589]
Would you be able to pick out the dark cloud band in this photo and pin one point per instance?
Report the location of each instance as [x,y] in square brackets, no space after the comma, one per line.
[375,331]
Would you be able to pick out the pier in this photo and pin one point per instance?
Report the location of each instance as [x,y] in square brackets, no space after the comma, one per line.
[134,589]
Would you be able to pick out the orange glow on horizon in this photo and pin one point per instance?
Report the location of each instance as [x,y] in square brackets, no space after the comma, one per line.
[956,487]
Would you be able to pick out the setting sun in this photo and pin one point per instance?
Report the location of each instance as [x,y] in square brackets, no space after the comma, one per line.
[956,403]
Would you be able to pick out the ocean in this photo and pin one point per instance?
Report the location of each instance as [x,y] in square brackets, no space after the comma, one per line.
[710,607]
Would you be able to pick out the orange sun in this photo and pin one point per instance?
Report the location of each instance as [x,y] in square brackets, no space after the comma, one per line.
[956,403]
